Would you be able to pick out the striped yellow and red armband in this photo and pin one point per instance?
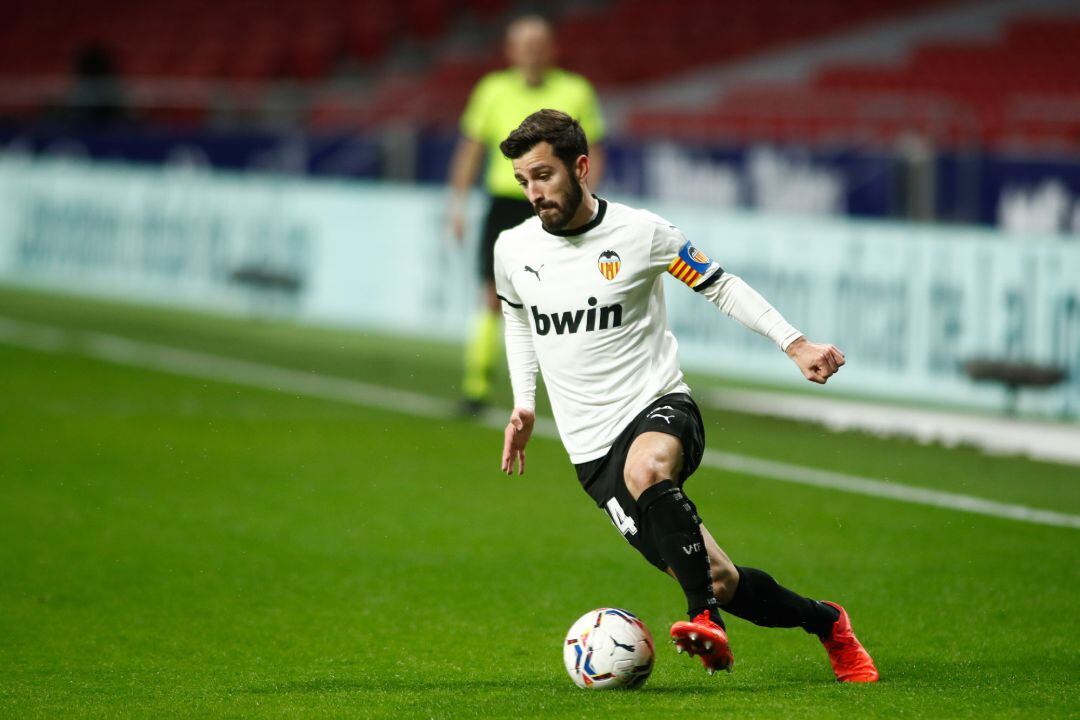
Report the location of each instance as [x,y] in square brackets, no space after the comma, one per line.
[690,265]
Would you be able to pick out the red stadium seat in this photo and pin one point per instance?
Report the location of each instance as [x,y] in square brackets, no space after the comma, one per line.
[949,92]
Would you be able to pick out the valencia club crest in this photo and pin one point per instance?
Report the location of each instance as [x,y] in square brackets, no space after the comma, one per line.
[609,263]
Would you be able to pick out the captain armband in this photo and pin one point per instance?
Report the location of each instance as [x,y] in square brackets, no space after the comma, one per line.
[693,268]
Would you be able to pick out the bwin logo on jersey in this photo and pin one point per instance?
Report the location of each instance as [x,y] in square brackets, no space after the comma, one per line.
[569,321]
[609,263]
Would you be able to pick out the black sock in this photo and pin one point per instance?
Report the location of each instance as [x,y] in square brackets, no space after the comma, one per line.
[763,601]
[675,528]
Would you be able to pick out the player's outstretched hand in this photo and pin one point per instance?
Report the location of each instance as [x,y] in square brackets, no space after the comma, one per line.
[818,361]
[517,434]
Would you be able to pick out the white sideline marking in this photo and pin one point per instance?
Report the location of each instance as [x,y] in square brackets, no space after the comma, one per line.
[877,488]
[1057,442]
[120,350]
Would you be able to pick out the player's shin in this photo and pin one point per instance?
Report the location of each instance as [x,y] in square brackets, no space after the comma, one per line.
[676,531]
[763,601]
[480,355]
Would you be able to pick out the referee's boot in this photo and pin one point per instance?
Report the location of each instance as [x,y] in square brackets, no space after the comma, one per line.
[703,637]
[849,658]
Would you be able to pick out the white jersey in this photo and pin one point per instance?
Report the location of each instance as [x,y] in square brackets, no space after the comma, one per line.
[587,306]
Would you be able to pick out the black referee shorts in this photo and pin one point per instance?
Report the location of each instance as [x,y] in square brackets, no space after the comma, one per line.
[676,414]
[503,213]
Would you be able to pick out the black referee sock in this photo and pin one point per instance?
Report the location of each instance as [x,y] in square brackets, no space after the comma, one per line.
[675,528]
[763,601]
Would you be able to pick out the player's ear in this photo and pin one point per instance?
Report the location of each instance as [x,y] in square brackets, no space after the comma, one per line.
[581,167]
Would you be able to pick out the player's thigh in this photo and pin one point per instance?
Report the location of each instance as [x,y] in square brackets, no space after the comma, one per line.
[625,515]
[653,457]
[610,493]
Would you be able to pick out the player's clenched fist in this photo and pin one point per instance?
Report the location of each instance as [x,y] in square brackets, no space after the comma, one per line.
[517,434]
[817,361]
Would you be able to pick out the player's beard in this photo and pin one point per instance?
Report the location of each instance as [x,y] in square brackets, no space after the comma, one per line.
[565,211]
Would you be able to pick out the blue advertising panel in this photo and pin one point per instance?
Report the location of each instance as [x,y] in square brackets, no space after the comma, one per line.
[1021,195]
[341,155]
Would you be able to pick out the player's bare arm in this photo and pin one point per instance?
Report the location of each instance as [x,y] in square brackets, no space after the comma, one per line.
[464,167]
[818,361]
[515,437]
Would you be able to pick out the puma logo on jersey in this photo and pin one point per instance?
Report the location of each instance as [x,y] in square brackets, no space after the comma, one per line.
[534,272]
[657,414]
[570,321]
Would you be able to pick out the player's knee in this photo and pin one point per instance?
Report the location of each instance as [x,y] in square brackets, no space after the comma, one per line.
[642,473]
[725,578]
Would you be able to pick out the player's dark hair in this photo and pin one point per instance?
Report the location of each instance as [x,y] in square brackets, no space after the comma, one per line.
[556,128]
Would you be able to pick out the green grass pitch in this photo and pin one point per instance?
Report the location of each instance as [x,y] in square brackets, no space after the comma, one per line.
[176,547]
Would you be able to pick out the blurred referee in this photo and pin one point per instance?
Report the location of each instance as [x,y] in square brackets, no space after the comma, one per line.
[497,105]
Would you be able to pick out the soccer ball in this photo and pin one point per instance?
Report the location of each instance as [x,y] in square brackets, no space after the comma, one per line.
[608,648]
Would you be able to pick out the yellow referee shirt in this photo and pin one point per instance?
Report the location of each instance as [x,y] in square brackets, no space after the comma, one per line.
[502,99]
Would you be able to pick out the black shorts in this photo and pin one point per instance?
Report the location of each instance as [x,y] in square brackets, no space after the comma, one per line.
[503,214]
[676,414]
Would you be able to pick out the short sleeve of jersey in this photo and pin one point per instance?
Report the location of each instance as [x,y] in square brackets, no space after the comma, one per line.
[592,121]
[475,117]
[674,254]
[503,287]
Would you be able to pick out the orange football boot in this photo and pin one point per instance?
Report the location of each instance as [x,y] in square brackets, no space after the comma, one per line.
[849,658]
[704,638]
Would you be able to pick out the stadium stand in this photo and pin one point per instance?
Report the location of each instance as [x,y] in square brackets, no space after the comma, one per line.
[1021,90]
[231,41]
[1017,89]
[637,41]
[624,44]
[221,39]
[163,51]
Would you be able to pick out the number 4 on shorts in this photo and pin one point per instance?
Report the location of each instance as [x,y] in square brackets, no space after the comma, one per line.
[623,522]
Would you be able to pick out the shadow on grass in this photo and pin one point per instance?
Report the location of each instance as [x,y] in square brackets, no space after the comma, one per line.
[329,685]
[333,685]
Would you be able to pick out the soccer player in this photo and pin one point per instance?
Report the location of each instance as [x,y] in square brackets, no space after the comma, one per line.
[583,301]
[497,104]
